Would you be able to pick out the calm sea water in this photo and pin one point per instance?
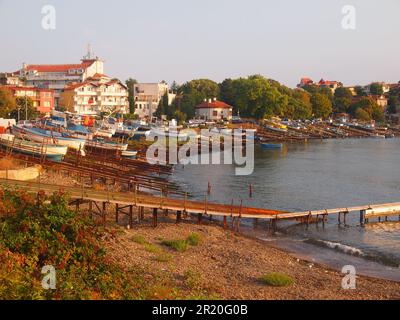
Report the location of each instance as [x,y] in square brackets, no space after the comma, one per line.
[318,175]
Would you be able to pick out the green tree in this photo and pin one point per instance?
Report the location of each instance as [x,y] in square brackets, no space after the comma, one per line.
[393,104]
[194,92]
[376,88]
[370,106]
[360,91]
[322,105]
[362,115]
[130,83]
[7,102]
[24,107]
[342,99]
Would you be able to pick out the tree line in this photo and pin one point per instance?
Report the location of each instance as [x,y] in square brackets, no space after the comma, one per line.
[259,97]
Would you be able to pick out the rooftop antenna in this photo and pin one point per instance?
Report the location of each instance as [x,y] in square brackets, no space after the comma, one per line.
[89,53]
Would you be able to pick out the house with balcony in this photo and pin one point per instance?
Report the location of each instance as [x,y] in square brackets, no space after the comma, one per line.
[98,94]
[42,99]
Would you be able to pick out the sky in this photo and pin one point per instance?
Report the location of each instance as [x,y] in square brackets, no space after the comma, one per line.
[154,40]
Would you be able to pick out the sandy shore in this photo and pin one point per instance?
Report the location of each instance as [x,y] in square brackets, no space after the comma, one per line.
[228,266]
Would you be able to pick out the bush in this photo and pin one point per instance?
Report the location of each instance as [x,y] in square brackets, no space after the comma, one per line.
[178,245]
[39,231]
[277,279]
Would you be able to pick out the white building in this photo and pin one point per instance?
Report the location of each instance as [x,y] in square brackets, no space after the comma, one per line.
[98,94]
[147,96]
[214,110]
[58,76]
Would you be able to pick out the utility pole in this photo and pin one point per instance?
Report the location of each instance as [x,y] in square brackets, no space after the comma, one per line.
[26,108]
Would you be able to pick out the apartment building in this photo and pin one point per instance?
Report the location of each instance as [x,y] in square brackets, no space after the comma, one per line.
[43,99]
[147,96]
[58,76]
[98,94]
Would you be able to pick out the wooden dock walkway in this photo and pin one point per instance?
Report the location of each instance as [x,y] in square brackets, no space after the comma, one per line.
[125,202]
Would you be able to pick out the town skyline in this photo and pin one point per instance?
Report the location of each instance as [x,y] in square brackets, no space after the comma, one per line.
[164,47]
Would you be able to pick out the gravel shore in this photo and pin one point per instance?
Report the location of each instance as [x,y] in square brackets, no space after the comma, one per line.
[225,265]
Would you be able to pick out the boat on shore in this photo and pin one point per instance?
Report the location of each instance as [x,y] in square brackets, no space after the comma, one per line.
[51,151]
[108,145]
[49,137]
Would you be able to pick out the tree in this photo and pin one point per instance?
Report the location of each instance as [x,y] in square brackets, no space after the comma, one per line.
[194,92]
[163,107]
[342,100]
[362,115]
[376,88]
[179,116]
[370,106]
[360,91]
[7,102]
[393,104]
[321,105]
[130,83]
[174,87]
[24,107]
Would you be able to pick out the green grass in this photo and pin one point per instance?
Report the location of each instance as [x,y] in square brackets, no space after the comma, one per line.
[178,245]
[277,279]
[193,279]
[139,239]
[152,248]
[193,239]
[163,257]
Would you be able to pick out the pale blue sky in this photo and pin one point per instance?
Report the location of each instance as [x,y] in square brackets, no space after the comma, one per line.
[152,40]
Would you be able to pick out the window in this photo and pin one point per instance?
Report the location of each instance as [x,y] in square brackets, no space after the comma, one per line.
[46,104]
[215,113]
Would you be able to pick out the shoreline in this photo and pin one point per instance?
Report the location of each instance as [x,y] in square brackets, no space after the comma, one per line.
[230,265]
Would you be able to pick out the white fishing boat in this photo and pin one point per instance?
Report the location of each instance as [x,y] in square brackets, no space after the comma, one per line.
[52,151]
[48,136]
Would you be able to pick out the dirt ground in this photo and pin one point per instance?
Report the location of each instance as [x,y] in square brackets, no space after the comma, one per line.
[225,265]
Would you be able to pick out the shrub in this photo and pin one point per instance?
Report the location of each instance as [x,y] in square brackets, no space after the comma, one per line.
[193,279]
[163,257]
[42,230]
[277,279]
[193,239]
[178,245]
[152,248]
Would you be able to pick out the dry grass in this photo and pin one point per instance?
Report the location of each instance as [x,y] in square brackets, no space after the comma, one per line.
[8,163]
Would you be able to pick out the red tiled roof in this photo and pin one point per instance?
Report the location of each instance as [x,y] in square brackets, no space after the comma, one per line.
[15,88]
[58,67]
[213,104]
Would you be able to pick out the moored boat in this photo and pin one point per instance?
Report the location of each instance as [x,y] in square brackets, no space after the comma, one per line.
[271,145]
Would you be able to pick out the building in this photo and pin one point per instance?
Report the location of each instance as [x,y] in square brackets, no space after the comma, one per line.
[305,82]
[333,85]
[98,94]
[147,96]
[381,101]
[10,79]
[42,99]
[58,76]
[385,87]
[214,110]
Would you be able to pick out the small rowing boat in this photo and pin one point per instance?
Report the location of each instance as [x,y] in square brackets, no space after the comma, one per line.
[271,145]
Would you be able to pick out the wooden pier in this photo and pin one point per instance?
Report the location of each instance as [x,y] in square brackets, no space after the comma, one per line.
[134,203]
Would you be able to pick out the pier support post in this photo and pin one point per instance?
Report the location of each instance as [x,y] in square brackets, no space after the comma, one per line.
[103,212]
[178,216]
[362,217]
[339,220]
[155,217]
[116,212]
[255,223]
[199,218]
[130,216]
[225,223]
